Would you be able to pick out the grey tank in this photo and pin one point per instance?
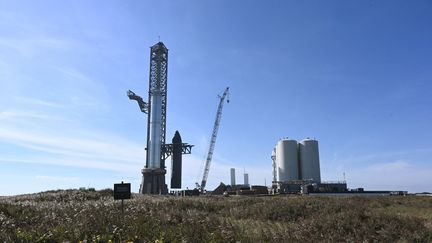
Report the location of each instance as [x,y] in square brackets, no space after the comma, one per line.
[287,160]
[309,160]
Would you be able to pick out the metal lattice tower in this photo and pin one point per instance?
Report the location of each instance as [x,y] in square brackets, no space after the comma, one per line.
[158,80]
[153,180]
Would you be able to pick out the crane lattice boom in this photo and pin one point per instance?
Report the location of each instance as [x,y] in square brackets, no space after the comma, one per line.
[213,139]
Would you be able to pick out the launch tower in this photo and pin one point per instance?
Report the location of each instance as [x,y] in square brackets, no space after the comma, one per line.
[153,181]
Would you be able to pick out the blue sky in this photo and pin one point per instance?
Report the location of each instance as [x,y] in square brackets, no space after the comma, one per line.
[356,75]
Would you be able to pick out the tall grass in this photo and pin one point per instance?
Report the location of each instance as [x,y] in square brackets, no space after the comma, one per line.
[75,215]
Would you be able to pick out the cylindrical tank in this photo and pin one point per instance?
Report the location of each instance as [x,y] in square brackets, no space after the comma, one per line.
[287,160]
[233,182]
[246,179]
[309,160]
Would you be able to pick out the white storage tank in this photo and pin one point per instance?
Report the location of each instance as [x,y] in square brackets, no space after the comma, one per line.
[246,179]
[287,160]
[233,182]
[309,160]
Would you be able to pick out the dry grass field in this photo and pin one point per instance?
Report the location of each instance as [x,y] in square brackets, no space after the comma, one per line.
[93,216]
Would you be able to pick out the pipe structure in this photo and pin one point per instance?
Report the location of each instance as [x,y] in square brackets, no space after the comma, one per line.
[154,149]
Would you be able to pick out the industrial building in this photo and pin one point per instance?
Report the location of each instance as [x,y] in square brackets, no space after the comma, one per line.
[296,168]
[293,161]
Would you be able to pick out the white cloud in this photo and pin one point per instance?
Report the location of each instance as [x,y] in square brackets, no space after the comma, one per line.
[38,102]
[56,178]
[374,157]
[65,147]
[398,165]
[18,115]
[394,175]
[75,162]
[103,148]
[74,73]
[31,47]
[88,91]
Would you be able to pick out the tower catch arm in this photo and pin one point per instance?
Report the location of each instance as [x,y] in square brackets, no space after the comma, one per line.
[142,105]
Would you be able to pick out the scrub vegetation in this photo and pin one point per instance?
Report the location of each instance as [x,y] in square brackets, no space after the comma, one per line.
[93,216]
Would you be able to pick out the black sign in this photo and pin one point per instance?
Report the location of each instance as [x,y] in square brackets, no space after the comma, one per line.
[122,191]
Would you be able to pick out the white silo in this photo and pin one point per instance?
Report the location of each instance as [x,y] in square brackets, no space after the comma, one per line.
[246,179]
[309,160]
[287,160]
[233,182]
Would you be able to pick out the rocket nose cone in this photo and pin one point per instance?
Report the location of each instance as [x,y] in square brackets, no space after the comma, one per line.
[176,138]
